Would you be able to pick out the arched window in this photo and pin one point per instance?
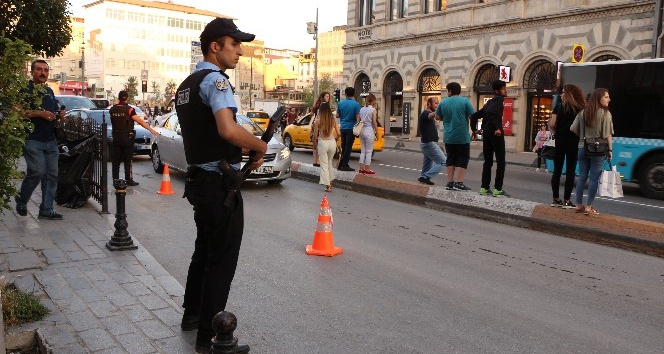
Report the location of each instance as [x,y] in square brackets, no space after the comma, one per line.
[429,81]
[487,74]
[606,57]
[540,76]
[393,84]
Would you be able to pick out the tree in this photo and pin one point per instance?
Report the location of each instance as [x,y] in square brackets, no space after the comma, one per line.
[155,91]
[43,24]
[169,91]
[325,84]
[132,88]
[12,125]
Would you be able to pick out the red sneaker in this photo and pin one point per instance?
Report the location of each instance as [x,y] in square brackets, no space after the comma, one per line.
[361,171]
[369,172]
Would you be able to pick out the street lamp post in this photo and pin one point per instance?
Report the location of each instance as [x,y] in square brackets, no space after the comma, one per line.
[82,67]
[312,28]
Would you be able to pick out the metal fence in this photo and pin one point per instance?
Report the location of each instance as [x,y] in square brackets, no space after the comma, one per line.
[72,129]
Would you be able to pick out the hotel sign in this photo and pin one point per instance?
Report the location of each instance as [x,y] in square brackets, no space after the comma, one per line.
[364,34]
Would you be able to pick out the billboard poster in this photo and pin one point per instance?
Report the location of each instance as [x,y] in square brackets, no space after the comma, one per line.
[508,108]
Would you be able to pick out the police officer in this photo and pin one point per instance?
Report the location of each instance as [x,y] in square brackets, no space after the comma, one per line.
[206,111]
[123,117]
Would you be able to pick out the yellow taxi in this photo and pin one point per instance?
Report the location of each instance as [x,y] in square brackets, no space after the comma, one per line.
[259,117]
[297,135]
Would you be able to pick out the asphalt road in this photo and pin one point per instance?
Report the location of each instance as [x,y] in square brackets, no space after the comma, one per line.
[410,279]
[520,182]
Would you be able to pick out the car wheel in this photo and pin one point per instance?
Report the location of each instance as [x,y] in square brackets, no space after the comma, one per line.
[651,177]
[275,181]
[156,160]
[289,142]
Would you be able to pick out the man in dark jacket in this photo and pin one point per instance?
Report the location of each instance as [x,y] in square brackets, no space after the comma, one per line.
[493,139]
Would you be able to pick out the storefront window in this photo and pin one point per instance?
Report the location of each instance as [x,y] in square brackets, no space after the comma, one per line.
[540,83]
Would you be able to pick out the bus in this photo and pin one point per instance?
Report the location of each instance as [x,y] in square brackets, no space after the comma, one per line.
[636,88]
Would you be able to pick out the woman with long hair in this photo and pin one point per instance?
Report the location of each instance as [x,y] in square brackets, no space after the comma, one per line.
[368,134]
[324,97]
[326,131]
[594,121]
[572,101]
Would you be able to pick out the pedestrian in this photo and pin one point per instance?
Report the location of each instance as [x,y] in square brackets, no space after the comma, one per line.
[434,158]
[41,149]
[493,139]
[348,112]
[123,117]
[324,97]
[572,102]
[156,112]
[292,116]
[455,111]
[540,138]
[206,110]
[282,122]
[594,121]
[368,135]
[327,134]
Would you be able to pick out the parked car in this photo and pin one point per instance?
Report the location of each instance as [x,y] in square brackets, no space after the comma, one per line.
[169,149]
[75,102]
[142,141]
[259,117]
[101,103]
[297,135]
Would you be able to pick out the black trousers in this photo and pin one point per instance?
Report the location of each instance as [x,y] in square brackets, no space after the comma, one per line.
[564,150]
[347,141]
[492,144]
[216,249]
[122,152]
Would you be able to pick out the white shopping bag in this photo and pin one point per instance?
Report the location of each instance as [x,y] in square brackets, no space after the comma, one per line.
[610,184]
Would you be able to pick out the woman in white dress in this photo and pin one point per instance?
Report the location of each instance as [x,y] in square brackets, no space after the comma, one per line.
[368,135]
[327,132]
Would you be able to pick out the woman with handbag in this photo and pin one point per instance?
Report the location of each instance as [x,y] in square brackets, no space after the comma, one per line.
[541,138]
[572,101]
[324,97]
[594,127]
[367,134]
[326,131]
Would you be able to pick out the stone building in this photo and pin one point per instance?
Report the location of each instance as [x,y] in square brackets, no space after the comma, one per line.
[405,51]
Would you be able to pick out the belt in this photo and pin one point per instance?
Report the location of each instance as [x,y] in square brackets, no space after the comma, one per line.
[195,173]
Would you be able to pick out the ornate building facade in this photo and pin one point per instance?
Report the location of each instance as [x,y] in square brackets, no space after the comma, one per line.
[406,51]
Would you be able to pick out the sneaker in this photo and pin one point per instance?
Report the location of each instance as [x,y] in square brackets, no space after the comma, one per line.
[485,191]
[50,216]
[369,172]
[22,210]
[449,186]
[537,169]
[557,203]
[131,182]
[425,181]
[461,187]
[499,192]
[568,205]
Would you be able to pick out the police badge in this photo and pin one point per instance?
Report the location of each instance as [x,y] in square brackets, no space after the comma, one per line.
[221,84]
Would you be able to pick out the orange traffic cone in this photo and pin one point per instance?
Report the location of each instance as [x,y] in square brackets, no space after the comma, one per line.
[166,182]
[323,244]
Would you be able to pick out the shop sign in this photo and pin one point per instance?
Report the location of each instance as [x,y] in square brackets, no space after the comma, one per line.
[406,117]
[508,107]
[505,73]
[73,85]
[364,34]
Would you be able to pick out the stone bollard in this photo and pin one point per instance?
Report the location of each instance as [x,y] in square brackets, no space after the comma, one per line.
[223,324]
[121,239]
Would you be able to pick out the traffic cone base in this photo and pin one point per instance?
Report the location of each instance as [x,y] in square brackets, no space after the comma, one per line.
[323,243]
[166,187]
[328,252]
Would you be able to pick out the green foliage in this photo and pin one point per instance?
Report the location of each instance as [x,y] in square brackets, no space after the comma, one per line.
[132,88]
[12,126]
[19,307]
[44,24]
[155,91]
[171,87]
[325,84]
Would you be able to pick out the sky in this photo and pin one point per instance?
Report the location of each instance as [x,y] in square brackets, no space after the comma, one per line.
[282,24]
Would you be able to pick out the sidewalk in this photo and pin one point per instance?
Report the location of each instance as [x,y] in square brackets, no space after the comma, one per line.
[100,301]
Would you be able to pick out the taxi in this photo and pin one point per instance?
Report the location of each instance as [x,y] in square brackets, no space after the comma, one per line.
[259,117]
[298,133]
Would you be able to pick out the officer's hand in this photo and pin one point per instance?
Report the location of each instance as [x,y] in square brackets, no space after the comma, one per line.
[257,163]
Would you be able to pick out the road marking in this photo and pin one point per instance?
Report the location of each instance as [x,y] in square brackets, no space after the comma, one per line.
[405,168]
[627,202]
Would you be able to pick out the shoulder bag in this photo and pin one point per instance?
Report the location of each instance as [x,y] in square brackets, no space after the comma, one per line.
[594,146]
[357,128]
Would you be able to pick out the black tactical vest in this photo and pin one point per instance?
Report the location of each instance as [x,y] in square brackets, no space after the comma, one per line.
[200,136]
[122,124]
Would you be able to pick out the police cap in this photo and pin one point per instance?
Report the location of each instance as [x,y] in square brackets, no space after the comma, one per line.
[220,27]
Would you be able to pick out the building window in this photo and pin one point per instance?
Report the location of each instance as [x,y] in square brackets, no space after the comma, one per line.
[434,5]
[367,12]
[398,9]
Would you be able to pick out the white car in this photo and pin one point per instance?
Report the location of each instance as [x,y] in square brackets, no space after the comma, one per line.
[168,148]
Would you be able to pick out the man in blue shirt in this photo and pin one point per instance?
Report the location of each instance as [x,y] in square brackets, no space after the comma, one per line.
[348,112]
[206,111]
[41,148]
[455,113]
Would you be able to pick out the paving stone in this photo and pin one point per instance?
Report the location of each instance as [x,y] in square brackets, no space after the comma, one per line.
[108,286]
[69,349]
[7,243]
[70,304]
[69,247]
[170,285]
[170,316]
[28,284]
[152,302]
[118,324]
[137,313]
[114,350]
[78,283]
[58,335]
[136,344]
[103,309]
[37,243]
[54,256]
[122,299]
[77,256]
[97,339]
[71,272]
[176,345]
[50,278]
[137,288]
[135,269]
[95,273]
[59,292]
[155,329]
[23,260]
[82,321]
[90,295]
[122,276]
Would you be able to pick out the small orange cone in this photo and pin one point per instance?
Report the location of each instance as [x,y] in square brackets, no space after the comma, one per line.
[166,182]
[323,244]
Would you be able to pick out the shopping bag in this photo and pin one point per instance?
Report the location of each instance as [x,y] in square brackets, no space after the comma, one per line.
[357,128]
[610,184]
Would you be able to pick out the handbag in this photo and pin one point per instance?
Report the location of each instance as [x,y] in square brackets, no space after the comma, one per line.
[357,128]
[549,148]
[610,184]
[594,146]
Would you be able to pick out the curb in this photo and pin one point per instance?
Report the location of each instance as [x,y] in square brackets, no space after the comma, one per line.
[626,233]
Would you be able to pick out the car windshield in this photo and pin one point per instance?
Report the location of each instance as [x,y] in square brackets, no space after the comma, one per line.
[99,114]
[75,102]
[249,125]
[257,115]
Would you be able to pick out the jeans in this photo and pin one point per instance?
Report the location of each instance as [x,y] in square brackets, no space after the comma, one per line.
[41,158]
[433,161]
[216,249]
[493,144]
[565,151]
[367,138]
[590,168]
[347,141]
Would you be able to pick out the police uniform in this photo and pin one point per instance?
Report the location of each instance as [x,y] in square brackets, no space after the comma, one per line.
[123,139]
[219,228]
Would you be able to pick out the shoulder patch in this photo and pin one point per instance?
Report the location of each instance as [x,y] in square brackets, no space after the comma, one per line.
[221,84]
